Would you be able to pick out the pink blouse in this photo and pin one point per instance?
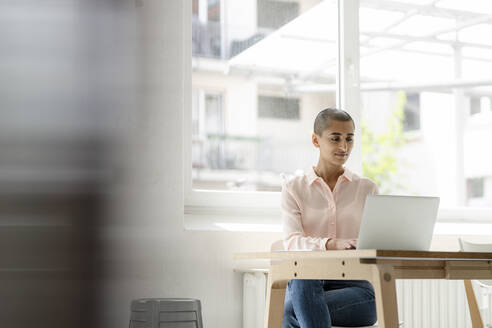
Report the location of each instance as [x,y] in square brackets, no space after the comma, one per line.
[312,214]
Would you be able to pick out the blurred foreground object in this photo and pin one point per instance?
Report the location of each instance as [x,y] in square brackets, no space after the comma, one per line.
[64,91]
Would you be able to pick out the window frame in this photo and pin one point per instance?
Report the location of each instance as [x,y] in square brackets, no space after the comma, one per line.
[236,206]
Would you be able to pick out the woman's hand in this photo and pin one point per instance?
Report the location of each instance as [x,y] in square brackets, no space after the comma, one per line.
[341,244]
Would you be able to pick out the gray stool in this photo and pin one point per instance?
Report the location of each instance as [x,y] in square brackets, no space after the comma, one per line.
[166,313]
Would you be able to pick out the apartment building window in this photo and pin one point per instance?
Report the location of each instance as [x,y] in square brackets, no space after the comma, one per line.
[213,10]
[412,112]
[475,189]
[208,131]
[273,14]
[206,8]
[475,107]
[207,113]
[206,30]
[480,104]
[278,108]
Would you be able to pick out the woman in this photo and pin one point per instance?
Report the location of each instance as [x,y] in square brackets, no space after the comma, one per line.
[322,210]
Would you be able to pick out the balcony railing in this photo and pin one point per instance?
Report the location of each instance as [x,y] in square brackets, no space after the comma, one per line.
[246,162]
[207,41]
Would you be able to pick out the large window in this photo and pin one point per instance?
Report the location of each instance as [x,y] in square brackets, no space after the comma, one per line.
[419,69]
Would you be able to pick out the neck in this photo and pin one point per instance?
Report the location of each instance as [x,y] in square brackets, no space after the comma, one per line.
[328,172]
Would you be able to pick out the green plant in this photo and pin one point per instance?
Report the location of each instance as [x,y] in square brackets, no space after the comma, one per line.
[379,151]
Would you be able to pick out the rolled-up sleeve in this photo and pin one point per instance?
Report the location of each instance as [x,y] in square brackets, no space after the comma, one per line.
[294,236]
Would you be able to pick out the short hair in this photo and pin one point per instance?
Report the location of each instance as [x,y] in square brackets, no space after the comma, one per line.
[323,119]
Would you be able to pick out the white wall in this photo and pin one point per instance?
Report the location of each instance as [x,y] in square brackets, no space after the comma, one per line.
[147,251]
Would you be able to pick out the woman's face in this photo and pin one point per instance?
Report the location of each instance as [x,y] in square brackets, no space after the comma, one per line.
[335,143]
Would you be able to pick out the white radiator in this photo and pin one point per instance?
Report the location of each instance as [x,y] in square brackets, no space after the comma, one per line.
[421,303]
[254,296]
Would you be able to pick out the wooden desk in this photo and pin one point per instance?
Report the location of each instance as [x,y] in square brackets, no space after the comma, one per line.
[379,267]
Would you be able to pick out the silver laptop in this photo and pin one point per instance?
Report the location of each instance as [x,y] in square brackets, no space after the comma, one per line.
[398,222]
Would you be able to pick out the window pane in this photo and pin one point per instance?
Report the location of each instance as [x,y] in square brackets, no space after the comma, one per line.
[253,63]
[425,131]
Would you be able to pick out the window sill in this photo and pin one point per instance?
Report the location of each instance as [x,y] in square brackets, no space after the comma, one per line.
[450,221]
[225,219]
[249,225]
[193,223]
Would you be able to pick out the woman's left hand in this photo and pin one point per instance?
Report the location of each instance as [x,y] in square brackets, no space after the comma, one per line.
[352,244]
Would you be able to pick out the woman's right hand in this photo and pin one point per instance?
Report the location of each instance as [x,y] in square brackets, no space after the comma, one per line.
[340,244]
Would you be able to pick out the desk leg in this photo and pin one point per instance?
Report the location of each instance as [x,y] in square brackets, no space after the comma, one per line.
[274,311]
[385,291]
[476,319]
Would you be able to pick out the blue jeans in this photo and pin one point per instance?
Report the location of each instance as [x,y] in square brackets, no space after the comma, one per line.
[323,303]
